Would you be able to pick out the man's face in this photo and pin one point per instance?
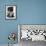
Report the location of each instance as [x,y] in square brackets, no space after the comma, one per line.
[10,9]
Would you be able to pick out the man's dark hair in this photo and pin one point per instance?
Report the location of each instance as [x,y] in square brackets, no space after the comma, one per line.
[10,9]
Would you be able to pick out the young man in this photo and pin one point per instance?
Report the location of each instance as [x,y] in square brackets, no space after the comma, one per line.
[10,12]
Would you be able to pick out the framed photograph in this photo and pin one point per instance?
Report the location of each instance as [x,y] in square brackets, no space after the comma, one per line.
[10,12]
[33,32]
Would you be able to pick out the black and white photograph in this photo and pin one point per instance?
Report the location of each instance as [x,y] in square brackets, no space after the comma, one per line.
[11,12]
[31,34]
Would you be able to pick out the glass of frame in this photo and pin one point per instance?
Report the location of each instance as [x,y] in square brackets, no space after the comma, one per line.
[10,12]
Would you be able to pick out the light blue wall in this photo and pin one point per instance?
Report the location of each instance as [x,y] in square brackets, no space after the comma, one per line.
[32,11]
[28,12]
